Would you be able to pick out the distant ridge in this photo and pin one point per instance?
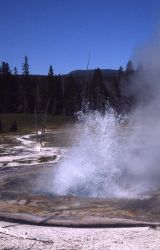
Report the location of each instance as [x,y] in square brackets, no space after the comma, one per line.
[90,72]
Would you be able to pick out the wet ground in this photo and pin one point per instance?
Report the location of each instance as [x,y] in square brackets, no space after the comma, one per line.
[19,150]
[27,195]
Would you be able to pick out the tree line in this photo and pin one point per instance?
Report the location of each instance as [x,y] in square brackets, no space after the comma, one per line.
[64,94]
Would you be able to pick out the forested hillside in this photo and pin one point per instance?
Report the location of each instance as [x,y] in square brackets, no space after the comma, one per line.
[64,94]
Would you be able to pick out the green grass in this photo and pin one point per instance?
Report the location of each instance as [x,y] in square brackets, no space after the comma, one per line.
[26,122]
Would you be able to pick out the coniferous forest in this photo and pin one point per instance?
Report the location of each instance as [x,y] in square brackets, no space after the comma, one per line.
[64,94]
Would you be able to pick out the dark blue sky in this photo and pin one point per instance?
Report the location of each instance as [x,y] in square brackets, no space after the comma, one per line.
[61,32]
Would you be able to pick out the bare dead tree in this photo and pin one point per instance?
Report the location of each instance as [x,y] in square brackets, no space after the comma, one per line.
[43,129]
[84,91]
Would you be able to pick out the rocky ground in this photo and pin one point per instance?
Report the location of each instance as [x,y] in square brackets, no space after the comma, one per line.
[19,236]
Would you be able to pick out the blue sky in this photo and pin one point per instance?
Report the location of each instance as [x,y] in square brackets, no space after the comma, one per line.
[62,32]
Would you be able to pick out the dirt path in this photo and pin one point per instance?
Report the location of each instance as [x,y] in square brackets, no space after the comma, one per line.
[19,236]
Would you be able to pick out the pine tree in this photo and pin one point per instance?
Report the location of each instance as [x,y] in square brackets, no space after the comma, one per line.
[15,71]
[5,69]
[51,93]
[129,67]
[50,71]
[26,85]
[25,67]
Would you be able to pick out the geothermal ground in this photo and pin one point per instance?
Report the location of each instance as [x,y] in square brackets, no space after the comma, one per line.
[20,150]
[27,196]
[19,236]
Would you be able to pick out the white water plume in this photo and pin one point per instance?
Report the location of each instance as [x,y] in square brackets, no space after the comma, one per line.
[109,158]
[91,164]
[96,166]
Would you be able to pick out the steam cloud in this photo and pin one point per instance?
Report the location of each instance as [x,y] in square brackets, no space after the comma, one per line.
[111,159]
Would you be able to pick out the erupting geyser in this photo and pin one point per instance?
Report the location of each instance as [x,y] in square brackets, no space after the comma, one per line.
[106,160]
[113,156]
[92,162]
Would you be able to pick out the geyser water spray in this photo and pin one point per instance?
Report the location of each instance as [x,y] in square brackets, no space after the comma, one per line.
[108,158]
[94,165]
[91,165]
